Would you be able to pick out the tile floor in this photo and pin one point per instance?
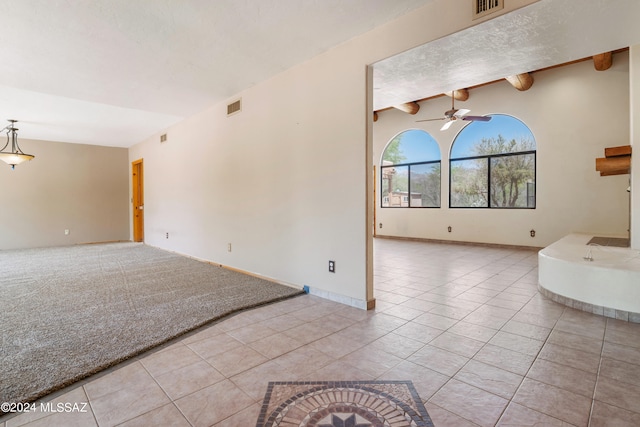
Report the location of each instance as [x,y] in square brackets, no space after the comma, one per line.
[464,323]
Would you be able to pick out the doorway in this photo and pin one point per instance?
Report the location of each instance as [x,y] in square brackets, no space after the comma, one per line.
[138,200]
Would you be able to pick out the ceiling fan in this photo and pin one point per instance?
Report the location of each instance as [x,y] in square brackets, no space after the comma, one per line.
[453,114]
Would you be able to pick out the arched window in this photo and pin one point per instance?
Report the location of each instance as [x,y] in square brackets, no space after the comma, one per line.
[410,171]
[493,165]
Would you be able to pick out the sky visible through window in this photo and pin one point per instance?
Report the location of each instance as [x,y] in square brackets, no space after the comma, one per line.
[507,126]
[418,146]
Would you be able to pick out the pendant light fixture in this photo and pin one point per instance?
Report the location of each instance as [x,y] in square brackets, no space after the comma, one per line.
[15,156]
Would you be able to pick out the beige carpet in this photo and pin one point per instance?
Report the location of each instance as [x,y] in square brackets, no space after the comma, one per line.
[68,312]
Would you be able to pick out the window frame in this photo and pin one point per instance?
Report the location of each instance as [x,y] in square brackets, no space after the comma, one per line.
[489,157]
[408,166]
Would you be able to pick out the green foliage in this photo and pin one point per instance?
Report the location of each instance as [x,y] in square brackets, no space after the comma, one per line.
[393,152]
[509,174]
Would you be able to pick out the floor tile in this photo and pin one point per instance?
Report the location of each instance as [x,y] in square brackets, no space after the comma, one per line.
[564,377]
[439,360]
[442,417]
[489,378]
[404,313]
[567,356]
[518,343]
[454,343]
[621,352]
[553,401]
[339,371]
[418,332]
[236,361]
[435,321]
[164,415]
[512,361]
[188,379]
[214,403]
[374,363]
[304,359]
[129,401]
[483,319]
[131,374]
[275,345]
[470,403]
[473,331]
[254,381]
[166,361]
[426,381]
[246,417]
[605,415]
[577,342]
[217,344]
[282,322]
[616,393]
[621,371]
[526,330]
[250,333]
[396,344]
[520,416]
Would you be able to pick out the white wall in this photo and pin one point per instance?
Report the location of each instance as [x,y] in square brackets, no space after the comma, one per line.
[285,181]
[574,112]
[634,81]
[82,188]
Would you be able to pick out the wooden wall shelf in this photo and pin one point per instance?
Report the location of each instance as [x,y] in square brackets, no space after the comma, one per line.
[617,161]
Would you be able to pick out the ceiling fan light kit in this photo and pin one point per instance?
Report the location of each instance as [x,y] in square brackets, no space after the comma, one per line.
[454,114]
[16,155]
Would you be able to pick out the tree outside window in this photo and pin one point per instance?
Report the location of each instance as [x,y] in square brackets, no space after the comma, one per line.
[410,171]
[493,165]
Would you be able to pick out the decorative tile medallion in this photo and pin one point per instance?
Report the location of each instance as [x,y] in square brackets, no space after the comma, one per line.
[343,404]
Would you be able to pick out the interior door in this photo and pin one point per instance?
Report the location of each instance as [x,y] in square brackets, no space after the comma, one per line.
[138,200]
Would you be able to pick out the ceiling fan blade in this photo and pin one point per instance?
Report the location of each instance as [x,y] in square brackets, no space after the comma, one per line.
[477,118]
[446,125]
[431,120]
[461,112]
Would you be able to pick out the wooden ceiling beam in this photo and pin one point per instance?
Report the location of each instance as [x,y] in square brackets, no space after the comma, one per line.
[459,95]
[603,61]
[521,82]
[408,107]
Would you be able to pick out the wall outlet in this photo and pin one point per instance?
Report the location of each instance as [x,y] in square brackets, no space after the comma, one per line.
[66,231]
[332,266]
[228,247]
[167,235]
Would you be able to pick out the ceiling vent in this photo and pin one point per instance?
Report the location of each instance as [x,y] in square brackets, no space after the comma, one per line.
[163,137]
[234,108]
[483,8]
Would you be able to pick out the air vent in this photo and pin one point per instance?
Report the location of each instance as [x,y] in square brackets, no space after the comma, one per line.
[486,7]
[163,137]
[234,107]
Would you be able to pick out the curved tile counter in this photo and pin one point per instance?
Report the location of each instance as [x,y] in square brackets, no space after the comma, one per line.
[599,279]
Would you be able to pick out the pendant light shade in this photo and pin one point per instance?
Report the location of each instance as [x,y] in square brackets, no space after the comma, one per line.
[15,156]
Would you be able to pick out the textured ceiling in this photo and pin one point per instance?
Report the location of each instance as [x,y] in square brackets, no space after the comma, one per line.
[113,72]
[543,34]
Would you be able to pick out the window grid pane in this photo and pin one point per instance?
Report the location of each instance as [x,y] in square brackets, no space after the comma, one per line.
[395,186]
[424,182]
[468,187]
[511,181]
